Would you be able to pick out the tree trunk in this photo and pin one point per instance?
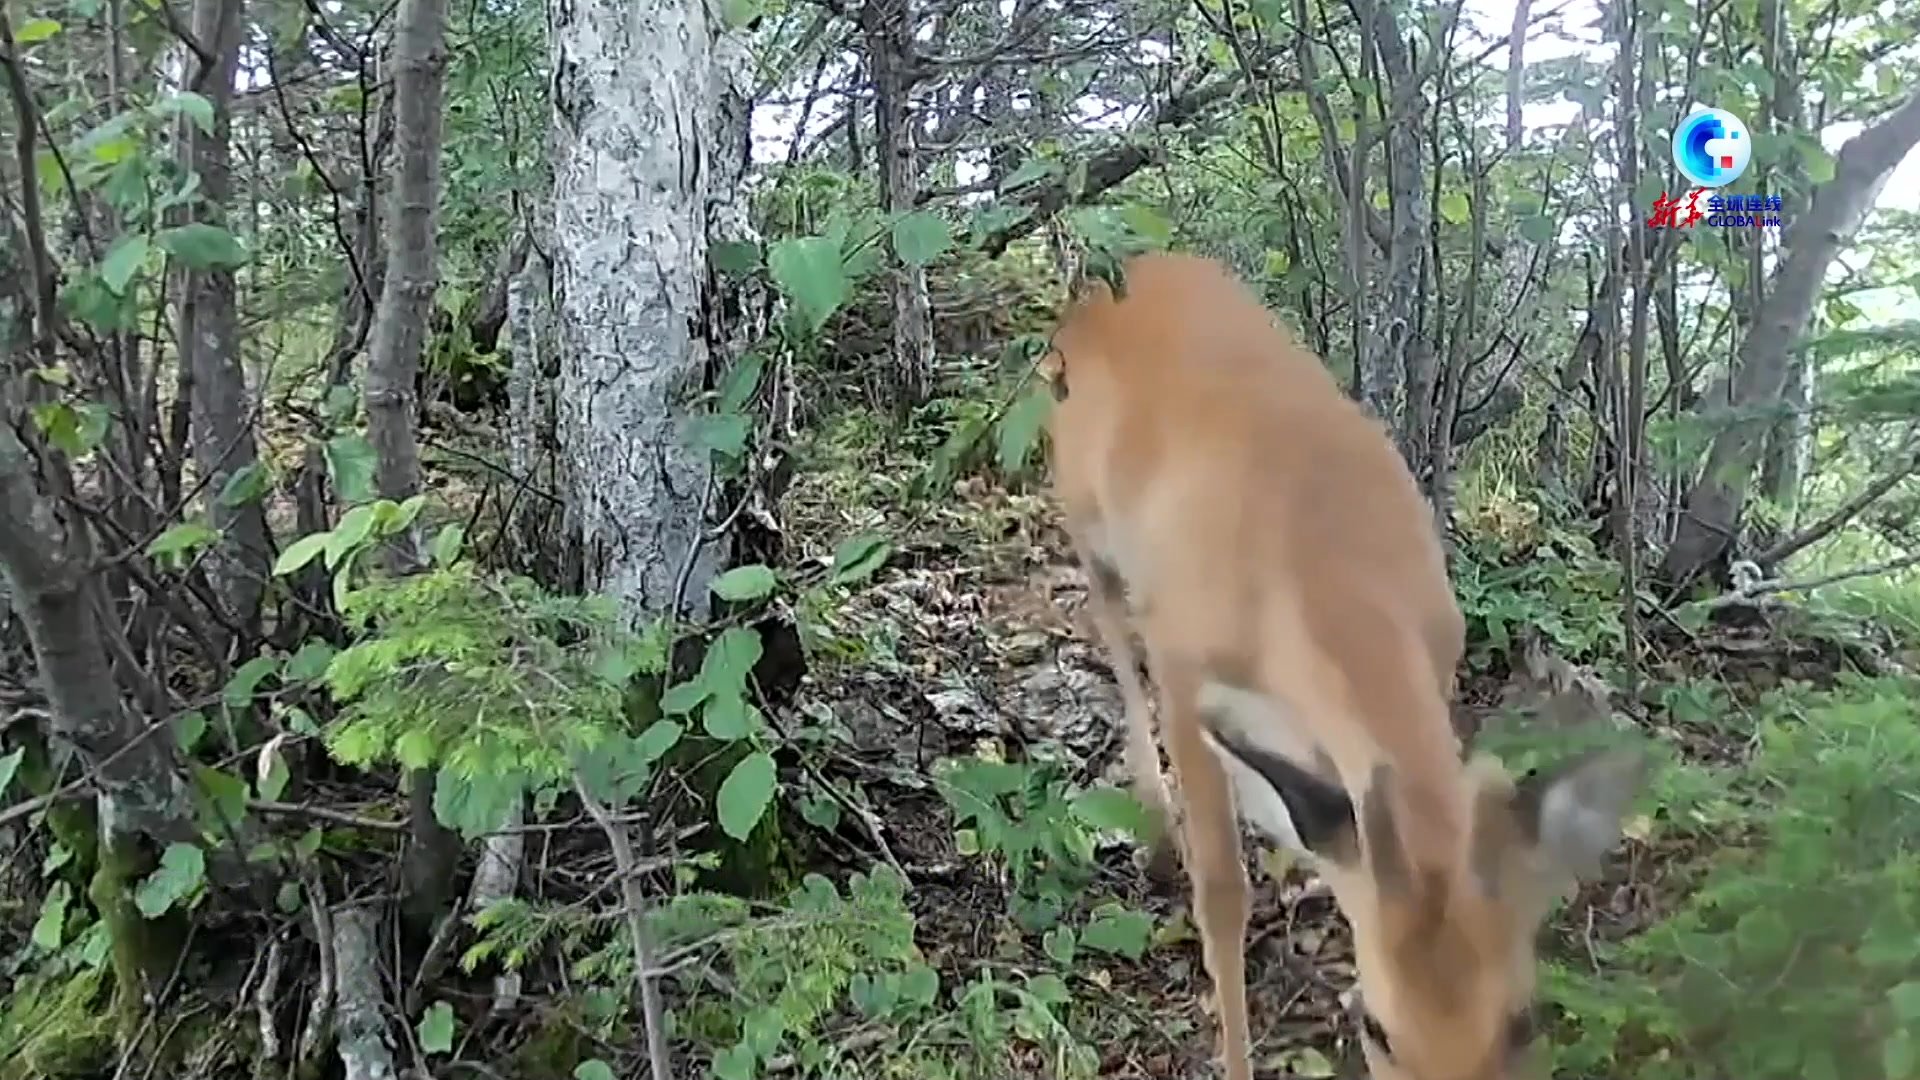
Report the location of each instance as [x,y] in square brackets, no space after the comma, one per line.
[640,157]
[209,330]
[889,25]
[1714,503]
[393,360]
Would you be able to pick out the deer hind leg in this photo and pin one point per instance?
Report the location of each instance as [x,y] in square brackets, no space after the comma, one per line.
[1212,834]
[1105,590]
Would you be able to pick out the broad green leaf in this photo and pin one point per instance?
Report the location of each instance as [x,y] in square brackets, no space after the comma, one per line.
[1900,1055]
[1309,1063]
[810,271]
[745,794]
[1539,228]
[921,237]
[220,797]
[654,743]
[351,461]
[239,691]
[736,1062]
[1455,208]
[1118,930]
[858,556]
[246,485]
[446,545]
[414,749]
[730,659]
[749,582]
[920,985]
[821,812]
[202,246]
[1905,998]
[182,870]
[1020,428]
[593,1069]
[191,105]
[1111,809]
[356,525]
[743,378]
[683,698]
[49,930]
[272,783]
[124,261]
[1059,944]
[309,662]
[181,539]
[724,434]
[436,1029]
[35,31]
[1031,170]
[188,729]
[289,897]
[9,765]
[727,716]
[300,553]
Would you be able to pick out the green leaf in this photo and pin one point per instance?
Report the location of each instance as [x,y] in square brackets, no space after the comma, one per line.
[858,556]
[920,985]
[182,539]
[730,659]
[1455,208]
[1059,944]
[1118,930]
[921,237]
[743,378]
[191,105]
[1539,228]
[188,729]
[812,275]
[414,749]
[1309,1064]
[728,717]
[220,797]
[749,582]
[683,698]
[239,691]
[273,783]
[182,870]
[436,1029]
[9,765]
[351,461]
[735,258]
[300,553]
[356,525]
[821,812]
[246,485]
[35,31]
[50,928]
[124,261]
[593,1069]
[736,1062]
[1111,809]
[745,794]
[1020,428]
[1031,170]
[446,545]
[202,246]
[654,743]
[309,662]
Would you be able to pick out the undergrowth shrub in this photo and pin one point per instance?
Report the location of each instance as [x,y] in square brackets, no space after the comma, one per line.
[1799,954]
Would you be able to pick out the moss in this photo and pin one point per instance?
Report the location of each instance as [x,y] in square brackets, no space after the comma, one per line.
[553,1049]
[144,950]
[53,1026]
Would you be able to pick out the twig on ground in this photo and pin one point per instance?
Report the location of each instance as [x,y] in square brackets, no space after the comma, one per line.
[635,903]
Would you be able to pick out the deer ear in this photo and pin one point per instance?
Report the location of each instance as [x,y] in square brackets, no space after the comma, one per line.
[1298,809]
[1571,815]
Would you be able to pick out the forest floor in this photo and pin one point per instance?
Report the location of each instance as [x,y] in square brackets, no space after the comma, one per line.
[976,645]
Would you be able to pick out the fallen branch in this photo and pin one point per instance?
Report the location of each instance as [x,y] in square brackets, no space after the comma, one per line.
[635,904]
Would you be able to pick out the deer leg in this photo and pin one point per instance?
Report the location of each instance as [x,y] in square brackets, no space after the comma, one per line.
[1212,834]
[1104,592]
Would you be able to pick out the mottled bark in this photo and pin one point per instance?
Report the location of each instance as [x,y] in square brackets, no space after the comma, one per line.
[1398,334]
[888,26]
[209,329]
[642,145]
[1714,503]
[419,63]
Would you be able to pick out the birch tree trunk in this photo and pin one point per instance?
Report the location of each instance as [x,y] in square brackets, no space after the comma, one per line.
[640,161]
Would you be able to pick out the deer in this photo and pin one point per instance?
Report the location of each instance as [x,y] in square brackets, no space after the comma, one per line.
[1287,578]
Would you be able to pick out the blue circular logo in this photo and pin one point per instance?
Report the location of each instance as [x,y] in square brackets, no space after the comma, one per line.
[1712,148]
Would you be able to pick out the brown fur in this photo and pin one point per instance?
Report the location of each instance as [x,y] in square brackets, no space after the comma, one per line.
[1275,546]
